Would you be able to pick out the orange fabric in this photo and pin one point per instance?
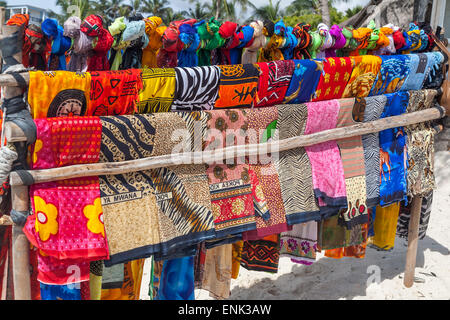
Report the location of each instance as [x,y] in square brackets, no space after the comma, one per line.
[358,251]
[19,19]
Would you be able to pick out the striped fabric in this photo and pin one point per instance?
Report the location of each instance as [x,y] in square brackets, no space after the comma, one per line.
[352,155]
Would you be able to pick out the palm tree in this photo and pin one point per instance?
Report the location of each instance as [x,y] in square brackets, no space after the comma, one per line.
[155,7]
[268,12]
[200,12]
[301,7]
[112,9]
[80,8]
[3,3]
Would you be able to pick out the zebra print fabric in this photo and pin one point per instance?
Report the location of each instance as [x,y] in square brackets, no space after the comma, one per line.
[196,88]
[158,212]
[294,168]
[405,215]
[373,107]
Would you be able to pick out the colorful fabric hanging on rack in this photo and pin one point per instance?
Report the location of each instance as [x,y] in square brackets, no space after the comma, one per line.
[365,69]
[304,81]
[335,76]
[300,244]
[58,93]
[114,92]
[177,280]
[261,255]
[158,90]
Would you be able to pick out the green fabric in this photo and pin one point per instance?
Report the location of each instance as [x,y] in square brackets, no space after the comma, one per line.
[332,235]
[209,40]
[316,43]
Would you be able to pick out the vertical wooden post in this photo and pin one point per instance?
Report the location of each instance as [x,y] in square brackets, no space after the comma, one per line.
[20,201]
[20,247]
[413,237]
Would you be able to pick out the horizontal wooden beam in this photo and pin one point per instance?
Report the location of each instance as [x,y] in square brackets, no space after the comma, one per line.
[113,168]
[7,80]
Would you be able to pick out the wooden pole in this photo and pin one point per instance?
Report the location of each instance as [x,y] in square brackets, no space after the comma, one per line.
[20,247]
[20,200]
[112,168]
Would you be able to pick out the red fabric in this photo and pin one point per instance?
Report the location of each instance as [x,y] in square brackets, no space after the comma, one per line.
[399,40]
[92,25]
[114,92]
[334,78]
[227,29]
[99,61]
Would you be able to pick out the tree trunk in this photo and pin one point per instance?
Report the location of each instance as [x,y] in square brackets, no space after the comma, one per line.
[325,10]
[218,5]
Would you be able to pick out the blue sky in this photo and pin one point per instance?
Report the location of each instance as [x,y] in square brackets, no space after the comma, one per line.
[184,4]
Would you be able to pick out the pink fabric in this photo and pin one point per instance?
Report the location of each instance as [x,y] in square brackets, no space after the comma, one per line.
[326,163]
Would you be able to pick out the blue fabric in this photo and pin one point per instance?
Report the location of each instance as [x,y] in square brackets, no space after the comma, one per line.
[303,82]
[60,43]
[236,53]
[177,280]
[392,67]
[291,43]
[393,146]
[421,65]
[63,292]
[188,56]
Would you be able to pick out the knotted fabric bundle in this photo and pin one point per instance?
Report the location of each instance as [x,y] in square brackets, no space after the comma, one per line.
[250,54]
[339,41]
[168,54]
[116,30]
[227,31]
[60,44]
[187,57]
[245,36]
[327,41]
[82,45]
[301,31]
[134,34]
[154,34]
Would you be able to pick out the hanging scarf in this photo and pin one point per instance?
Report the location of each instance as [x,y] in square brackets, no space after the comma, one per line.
[294,168]
[227,39]
[300,244]
[385,226]
[60,44]
[171,44]
[237,85]
[290,41]
[326,164]
[334,78]
[372,108]
[304,81]
[327,40]
[421,65]
[250,54]
[217,272]
[230,183]
[158,90]
[393,72]
[196,88]
[271,51]
[405,216]
[261,255]
[420,146]
[315,44]
[154,35]
[191,41]
[114,92]
[58,93]
[338,43]
[177,280]
[352,154]
[301,31]
[273,82]
[393,155]
[100,46]
[365,69]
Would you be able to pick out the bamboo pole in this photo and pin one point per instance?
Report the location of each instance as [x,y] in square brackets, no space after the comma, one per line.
[20,201]
[113,168]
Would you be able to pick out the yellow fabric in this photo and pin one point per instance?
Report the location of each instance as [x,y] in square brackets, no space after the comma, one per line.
[236,255]
[385,226]
[365,70]
[418,45]
[272,52]
[131,287]
[95,286]
[154,33]
[45,86]
[159,90]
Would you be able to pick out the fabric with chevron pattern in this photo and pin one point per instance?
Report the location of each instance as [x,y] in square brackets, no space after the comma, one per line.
[294,167]
[372,107]
[273,82]
[162,212]
[158,90]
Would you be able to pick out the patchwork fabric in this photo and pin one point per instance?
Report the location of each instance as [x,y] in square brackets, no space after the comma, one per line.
[237,86]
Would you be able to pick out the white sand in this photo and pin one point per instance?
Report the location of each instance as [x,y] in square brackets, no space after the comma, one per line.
[350,278]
